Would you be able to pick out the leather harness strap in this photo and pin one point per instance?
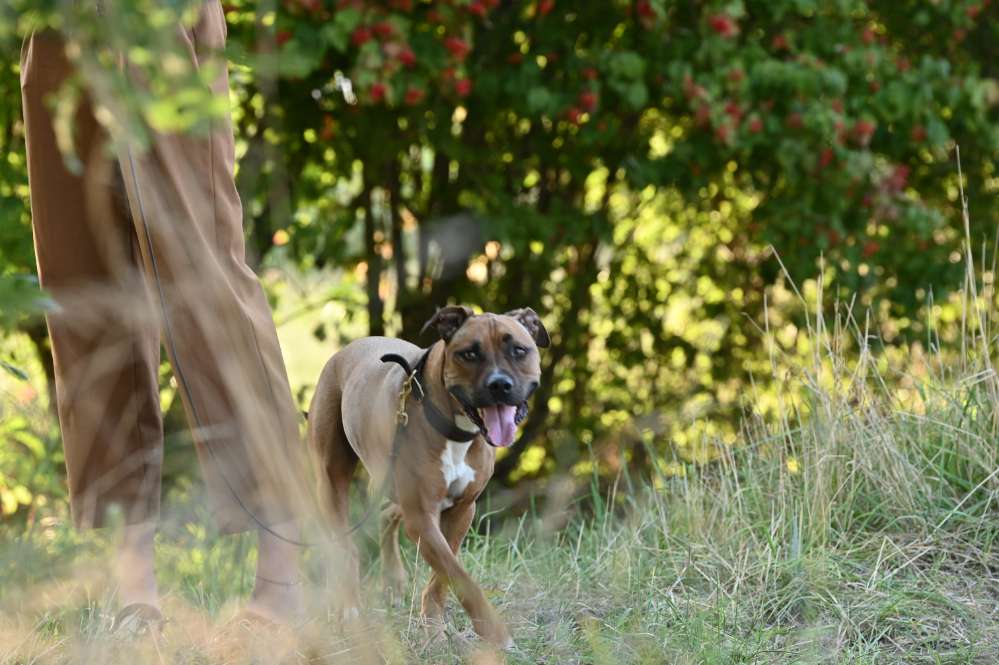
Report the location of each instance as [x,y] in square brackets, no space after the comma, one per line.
[443,424]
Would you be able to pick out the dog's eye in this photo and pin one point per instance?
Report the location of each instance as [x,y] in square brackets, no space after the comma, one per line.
[470,355]
[518,352]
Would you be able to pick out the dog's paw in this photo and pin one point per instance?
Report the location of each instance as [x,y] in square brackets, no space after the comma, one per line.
[434,631]
[500,637]
[487,656]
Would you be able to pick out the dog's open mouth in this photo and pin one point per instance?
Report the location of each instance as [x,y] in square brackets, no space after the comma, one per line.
[497,422]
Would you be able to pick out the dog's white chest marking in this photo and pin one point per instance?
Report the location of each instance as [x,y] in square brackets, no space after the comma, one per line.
[457,474]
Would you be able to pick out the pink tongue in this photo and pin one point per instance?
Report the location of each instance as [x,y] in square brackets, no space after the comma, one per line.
[499,423]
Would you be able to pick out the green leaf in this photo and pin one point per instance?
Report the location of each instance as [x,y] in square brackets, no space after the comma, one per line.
[539,100]
[32,442]
[636,95]
[627,65]
[347,19]
[335,35]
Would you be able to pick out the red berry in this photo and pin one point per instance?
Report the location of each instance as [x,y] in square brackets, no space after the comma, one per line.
[588,100]
[867,36]
[360,36]
[329,128]
[458,47]
[413,96]
[723,25]
[313,6]
[384,30]
[463,87]
[918,133]
[863,130]
[477,8]
[723,133]
[871,248]
[574,115]
[735,75]
[407,57]
[734,111]
[825,157]
[779,42]
[282,37]
[378,92]
[403,5]
[590,73]
[755,125]
[794,120]
[702,115]
[898,178]
[645,10]
[545,7]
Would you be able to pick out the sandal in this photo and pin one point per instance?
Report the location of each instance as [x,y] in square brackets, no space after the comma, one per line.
[138,620]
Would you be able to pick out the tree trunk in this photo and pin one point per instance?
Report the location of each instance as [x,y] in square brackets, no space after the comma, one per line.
[376,307]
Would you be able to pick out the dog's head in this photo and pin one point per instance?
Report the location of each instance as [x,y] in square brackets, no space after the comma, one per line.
[491,365]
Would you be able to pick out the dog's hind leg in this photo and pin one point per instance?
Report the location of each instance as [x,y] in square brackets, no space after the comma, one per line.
[393,572]
[337,463]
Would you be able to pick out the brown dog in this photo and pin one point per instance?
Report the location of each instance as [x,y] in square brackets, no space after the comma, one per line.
[470,393]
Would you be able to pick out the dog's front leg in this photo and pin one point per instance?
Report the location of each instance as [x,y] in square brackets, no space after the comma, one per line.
[425,531]
[455,523]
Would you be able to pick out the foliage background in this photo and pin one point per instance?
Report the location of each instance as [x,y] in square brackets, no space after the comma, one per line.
[633,170]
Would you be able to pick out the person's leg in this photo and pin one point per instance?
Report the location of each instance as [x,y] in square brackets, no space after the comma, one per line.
[218,329]
[277,591]
[104,334]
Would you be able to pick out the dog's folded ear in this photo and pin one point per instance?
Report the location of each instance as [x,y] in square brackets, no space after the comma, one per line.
[530,320]
[447,320]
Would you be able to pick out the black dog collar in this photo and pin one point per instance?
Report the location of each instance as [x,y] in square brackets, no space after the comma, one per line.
[444,425]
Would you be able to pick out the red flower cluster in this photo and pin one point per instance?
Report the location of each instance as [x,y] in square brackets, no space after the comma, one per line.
[458,48]
[724,25]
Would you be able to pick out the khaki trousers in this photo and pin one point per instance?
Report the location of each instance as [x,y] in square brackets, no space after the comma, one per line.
[139,247]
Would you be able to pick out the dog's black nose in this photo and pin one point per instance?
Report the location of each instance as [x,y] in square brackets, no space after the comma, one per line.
[500,385]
